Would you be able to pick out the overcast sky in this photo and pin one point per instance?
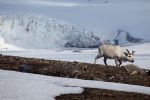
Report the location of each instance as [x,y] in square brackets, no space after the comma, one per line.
[80,12]
[68,3]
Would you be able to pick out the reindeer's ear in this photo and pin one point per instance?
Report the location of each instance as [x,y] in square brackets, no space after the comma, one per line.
[126,54]
[133,52]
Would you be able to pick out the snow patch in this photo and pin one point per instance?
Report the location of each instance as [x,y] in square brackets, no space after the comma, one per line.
[5,47]
[24,86]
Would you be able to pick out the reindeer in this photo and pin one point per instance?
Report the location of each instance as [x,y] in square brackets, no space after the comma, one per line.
[114,52]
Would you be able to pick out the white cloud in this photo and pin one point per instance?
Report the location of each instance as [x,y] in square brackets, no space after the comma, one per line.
[40,2]
[67,3]
[51,3]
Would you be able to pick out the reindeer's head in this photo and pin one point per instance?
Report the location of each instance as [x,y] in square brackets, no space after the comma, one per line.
[129,56]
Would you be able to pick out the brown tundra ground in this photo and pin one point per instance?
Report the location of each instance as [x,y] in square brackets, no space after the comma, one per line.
[84,71]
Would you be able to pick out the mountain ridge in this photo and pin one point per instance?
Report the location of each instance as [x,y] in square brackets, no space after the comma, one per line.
[34,31]
[38,31]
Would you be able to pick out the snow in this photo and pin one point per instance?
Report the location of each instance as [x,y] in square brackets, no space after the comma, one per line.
[141,49]
[142,55]
[35,31]
[24,86]
[20,86]
[5,46]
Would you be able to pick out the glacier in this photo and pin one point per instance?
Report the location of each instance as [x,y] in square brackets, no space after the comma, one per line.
[34,31]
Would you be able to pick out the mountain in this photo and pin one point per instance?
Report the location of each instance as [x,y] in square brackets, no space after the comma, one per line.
[33,31]
[5,46]
[124,37]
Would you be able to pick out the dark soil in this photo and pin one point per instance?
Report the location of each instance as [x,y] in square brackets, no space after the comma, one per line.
[101,94]
[81,71]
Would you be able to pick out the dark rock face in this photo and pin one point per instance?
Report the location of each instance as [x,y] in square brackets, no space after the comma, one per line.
[126,36]
[80,45]
[25,68]
[133,39]
[148,73]
[83,41]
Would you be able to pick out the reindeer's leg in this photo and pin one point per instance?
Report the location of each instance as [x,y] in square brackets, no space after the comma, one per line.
[105,60]
[97,57]
[120,62]
[116,62]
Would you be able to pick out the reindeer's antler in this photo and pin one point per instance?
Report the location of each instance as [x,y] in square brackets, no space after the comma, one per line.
[127,51]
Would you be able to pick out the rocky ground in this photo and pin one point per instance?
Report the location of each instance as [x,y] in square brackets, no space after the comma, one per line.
[129,74]
[101,94]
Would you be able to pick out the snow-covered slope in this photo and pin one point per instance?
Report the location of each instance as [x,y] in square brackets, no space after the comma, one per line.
[37,31]
[4,46]
[24,86]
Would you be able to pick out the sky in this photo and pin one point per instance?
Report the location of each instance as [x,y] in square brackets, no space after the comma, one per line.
[68,10]
[96,15]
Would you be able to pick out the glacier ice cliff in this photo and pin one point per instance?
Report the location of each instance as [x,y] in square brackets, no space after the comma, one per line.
[33,31]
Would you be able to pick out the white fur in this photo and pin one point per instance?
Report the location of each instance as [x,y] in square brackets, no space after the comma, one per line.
[113,52]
